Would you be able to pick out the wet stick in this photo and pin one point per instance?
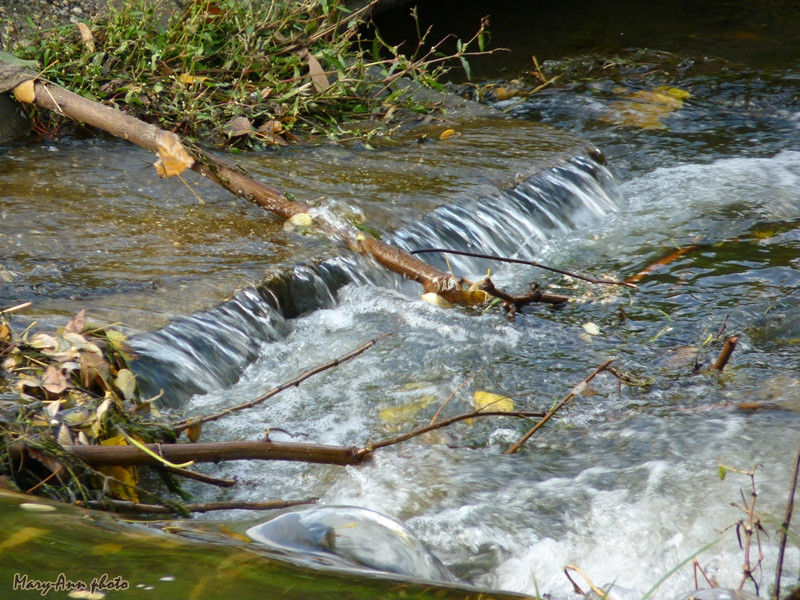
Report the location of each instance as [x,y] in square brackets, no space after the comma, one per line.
[572,393]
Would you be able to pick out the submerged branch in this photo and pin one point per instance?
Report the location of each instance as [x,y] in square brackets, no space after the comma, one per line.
[197,421]
[572,393]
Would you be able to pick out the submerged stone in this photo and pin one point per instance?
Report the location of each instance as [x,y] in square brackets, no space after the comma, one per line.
[351,538]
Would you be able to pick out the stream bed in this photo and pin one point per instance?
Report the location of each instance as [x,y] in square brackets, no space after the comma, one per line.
[699,201]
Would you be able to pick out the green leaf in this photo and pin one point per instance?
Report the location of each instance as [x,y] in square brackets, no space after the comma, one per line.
[466,67]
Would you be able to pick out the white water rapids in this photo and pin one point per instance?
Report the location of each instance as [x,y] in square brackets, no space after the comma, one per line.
[624,484]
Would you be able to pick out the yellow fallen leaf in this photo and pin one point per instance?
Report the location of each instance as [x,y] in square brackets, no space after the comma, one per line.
[436,300]
[646,108]
[406,412]
[488,401]
[126,383]
[173,158]
[193,431]
[124,479]
[188,78]
[448,133]
[25,92]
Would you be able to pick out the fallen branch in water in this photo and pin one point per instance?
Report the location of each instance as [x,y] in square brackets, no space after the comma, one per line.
[139,508]
[198,421]
[126,456]
[175,157]
[577,390]
[201,477]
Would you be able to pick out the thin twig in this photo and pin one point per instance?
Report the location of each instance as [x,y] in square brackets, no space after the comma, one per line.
[200,477]
[725,354]
[782,533]
[578,389]
[452,394]
[369,448]
[181,425]
[525,262]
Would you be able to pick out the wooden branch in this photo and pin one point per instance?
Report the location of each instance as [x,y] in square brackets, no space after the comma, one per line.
[126,506]
[519,300]
[98,455]
[725,354]
[235,180]
[572,393]
[196,421]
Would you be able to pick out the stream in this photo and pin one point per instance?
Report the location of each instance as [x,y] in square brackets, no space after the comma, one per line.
[225,303]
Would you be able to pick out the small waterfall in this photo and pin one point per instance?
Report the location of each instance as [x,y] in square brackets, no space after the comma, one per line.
[209,350]
[516,221]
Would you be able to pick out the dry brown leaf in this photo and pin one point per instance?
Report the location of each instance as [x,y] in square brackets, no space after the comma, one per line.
[53,380]
[25,92]
[238,126]
[173,158]
[77,323]
[316,72]
[86,36]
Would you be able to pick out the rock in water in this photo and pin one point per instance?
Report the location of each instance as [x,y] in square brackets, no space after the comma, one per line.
[351,538]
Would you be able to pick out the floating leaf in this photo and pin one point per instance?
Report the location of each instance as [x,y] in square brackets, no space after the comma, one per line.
[436,300]
[646,108]
[591,328]
[173,158]
[406,412]
[25,92]
[488,401]
[448,133]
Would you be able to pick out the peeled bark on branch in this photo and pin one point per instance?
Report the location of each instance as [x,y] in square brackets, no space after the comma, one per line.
[150,137]
[124,456]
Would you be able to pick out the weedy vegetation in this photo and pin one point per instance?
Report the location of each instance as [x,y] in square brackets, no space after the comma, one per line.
[244,73]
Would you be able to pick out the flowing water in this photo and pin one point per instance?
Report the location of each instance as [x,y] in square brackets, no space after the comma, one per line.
[625,482]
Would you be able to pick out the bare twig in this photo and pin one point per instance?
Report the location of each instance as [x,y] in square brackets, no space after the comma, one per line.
[725,354]
[525,262]
[200,477]
[782,533]
[368,449]
[452,394]
[180,426]
[578,389]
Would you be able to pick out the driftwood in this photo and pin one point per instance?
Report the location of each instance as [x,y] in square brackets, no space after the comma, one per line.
[167,145]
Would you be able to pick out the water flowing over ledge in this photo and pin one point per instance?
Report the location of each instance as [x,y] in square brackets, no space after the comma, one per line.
[208,350]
